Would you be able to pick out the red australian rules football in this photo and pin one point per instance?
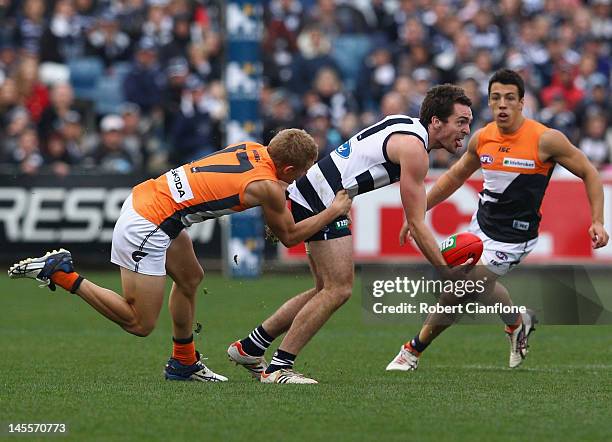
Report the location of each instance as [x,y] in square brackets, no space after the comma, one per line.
[458,248]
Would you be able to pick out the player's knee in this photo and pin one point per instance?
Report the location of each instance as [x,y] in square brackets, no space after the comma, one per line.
[342,293]
[191,281]
[140,330]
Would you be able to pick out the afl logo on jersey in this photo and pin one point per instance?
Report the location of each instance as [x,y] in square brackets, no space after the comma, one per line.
[344,150]
[486,159]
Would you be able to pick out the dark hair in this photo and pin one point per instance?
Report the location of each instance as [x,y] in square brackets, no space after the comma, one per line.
[508,76]
[440,102]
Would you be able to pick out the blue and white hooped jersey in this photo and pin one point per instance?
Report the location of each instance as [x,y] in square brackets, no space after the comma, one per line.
[359,165]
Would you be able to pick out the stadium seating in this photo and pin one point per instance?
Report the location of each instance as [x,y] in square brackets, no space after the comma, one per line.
[85,73]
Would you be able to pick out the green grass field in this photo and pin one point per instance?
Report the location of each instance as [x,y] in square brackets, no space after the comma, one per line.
[63,363]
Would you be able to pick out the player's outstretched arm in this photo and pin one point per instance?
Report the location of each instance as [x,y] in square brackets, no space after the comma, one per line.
[453,179]
[554,146]
[271,197]
[449,182]
[409,153]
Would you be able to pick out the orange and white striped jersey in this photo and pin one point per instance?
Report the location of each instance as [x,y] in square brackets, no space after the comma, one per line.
[203,189]
[514,182]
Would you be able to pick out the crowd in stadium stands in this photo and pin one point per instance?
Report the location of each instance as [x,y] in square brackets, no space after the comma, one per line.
[136,85]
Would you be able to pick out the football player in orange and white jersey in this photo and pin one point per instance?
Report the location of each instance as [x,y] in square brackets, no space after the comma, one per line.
[149,239]
[517,156]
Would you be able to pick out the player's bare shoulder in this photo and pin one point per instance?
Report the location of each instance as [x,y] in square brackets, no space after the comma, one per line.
[553,144]
[401,144]
[264,192]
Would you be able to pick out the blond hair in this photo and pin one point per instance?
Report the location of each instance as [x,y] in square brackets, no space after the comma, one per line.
[292,147]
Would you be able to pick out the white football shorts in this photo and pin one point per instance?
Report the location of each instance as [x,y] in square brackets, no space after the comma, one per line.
[500,257]
[138,244]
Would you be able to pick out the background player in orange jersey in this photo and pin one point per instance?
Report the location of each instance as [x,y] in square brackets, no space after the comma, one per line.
[149,239]
[517,156]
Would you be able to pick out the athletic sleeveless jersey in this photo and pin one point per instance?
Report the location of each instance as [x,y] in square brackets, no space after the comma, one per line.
[514,182]
[207,188]
[359,165]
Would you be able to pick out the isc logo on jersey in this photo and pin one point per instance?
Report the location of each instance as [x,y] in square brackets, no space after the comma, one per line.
[179,185]
[344,150]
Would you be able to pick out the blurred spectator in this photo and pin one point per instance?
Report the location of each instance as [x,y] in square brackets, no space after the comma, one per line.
[596,102]
[587,73]
[284,21]
[483,32]
[314,54]
[17,121]
[72,132]
[107,41]
[32,93]
[288,13]
[62,102]
[329,90]
[422,79]
[563,86]
[480,111]
[143,84]
[595,145]
[280,115]
[383,24]
[349,126]
[8,59]
[319,122]
[557,116]
[392,103]
[136,134]
[63,38]
[27,155]
[158,27]
[57,156]
[337,18]
[177,73]
[9,100]
[376,78]
[111,155]
[200,61]
[85,13]
[213,55]
[181,38]
[30,26]
[601,22]
[191,135]
[132,15]
[452,59]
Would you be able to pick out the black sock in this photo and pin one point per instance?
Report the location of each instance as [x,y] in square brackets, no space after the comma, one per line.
[418,345]
[510,319]
[257,342]
[281,359]
[183,340]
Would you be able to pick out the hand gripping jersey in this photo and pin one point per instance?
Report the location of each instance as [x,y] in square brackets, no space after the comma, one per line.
[514,182]
[359,165]
[207,188]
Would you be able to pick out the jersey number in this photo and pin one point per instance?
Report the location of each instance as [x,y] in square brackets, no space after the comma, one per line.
[244,164]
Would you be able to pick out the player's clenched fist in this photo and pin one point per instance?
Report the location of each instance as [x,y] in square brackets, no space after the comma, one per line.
[342,202]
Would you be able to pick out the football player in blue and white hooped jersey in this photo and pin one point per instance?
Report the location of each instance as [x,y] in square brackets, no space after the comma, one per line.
[394,149]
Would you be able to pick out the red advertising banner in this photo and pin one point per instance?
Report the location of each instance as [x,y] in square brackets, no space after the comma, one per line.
[377,218]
